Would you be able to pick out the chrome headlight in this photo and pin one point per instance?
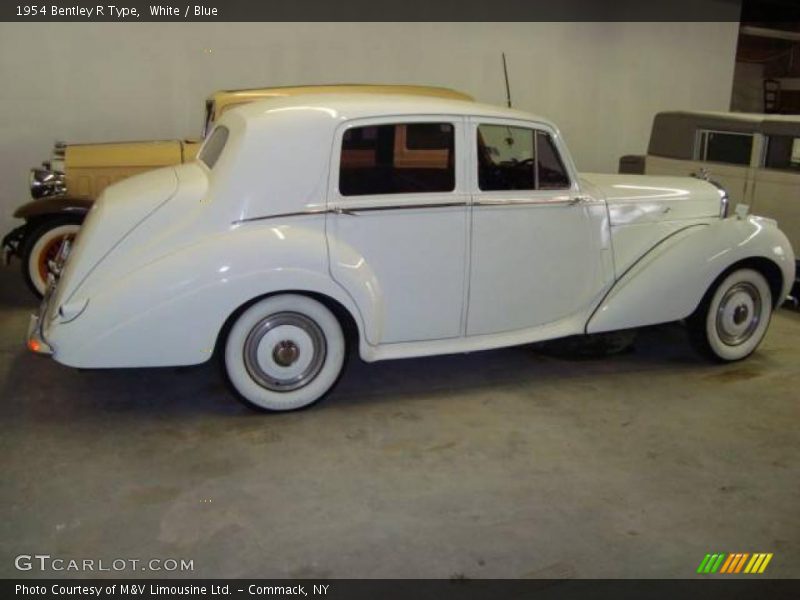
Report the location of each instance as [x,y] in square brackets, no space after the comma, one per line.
[724,199]
[46,182]
[59,154]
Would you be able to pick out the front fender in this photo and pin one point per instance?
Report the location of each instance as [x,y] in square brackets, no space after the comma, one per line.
[52,206]
[170,311]
[668,282]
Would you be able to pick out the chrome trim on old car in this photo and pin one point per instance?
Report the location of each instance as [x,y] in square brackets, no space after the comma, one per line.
[36,341]
[352,212]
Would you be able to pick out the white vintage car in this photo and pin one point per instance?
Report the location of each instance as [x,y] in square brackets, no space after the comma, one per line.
[405,226]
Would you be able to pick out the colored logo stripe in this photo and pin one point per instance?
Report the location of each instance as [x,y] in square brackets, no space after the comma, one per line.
[758,563]
[711,563]
[735,562]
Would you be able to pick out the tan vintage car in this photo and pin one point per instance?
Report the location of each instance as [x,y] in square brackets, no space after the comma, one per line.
[754,157]
[64,188]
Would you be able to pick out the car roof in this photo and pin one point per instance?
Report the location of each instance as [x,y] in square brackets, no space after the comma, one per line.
[735,116]
[674,129]
[355,106]
[224,98]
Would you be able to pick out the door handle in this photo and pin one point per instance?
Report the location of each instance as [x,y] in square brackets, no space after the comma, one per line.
[577,200]
[344,211]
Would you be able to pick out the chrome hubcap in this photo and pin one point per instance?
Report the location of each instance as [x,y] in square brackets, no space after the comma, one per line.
[739,314]
[284,351]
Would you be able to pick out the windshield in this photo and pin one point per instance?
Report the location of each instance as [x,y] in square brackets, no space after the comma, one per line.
[213,146]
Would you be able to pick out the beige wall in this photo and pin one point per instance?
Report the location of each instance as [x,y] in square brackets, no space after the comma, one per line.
[601,82]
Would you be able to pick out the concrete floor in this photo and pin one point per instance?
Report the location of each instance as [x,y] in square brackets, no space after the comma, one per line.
[507,463]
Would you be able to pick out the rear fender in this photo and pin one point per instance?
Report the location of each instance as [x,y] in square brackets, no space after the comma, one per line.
[170,311]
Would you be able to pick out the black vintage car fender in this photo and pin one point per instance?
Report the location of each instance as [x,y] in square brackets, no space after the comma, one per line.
[37,211]
[60,205]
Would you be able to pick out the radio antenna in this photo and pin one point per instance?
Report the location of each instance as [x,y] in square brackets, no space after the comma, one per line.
[508,87]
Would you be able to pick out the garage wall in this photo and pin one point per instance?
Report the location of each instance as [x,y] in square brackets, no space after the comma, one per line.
[601,82]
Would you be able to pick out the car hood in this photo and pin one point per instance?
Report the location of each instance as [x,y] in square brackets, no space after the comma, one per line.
[123,154]
[644,198]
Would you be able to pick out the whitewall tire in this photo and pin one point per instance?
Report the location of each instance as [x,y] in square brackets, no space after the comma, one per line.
[284,352]
[733,318]
[41,246]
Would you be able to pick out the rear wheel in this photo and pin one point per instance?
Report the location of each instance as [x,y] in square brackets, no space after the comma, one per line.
[733,318]
[284,353]
[41,246]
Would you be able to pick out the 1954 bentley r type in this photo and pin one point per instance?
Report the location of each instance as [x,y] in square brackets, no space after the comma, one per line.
[400,226]
[64,187]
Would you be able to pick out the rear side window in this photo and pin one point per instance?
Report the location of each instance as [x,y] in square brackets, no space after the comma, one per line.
[518,158]
[397,159]
[783,152]
[724,147]
[213,147]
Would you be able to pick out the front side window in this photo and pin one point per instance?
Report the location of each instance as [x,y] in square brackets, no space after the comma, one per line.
[783,152]
[397,159]
[518,158]
[724,147]
[213,147]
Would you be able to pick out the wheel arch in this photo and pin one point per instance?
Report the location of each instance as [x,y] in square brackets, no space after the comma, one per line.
[349,323]
[765,266]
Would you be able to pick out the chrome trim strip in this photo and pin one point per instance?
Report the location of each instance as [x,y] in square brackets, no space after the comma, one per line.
[302,213]
[355,211]
[503,202]
[352,212]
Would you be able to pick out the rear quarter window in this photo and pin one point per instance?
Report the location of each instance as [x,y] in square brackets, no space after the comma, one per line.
[213,147]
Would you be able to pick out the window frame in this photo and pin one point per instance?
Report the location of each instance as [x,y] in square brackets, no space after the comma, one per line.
[338,198]
[206,142]
[700,150]
[765,154]
[547,196]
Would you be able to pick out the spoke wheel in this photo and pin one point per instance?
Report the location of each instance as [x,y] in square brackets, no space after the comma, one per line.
[42,246]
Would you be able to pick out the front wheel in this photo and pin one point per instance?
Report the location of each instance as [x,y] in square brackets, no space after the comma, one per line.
[284,353]
[41,246]
[732,319]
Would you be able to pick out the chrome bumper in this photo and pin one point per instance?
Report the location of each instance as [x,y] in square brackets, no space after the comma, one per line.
[36,342]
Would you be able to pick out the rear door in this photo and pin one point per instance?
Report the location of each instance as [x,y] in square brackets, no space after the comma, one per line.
[397,229]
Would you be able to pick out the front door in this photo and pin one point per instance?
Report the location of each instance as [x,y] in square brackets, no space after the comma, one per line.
[537,245]
[397,229]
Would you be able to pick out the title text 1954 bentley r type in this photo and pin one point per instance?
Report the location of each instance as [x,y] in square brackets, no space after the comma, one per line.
[418,225]
[64,188]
